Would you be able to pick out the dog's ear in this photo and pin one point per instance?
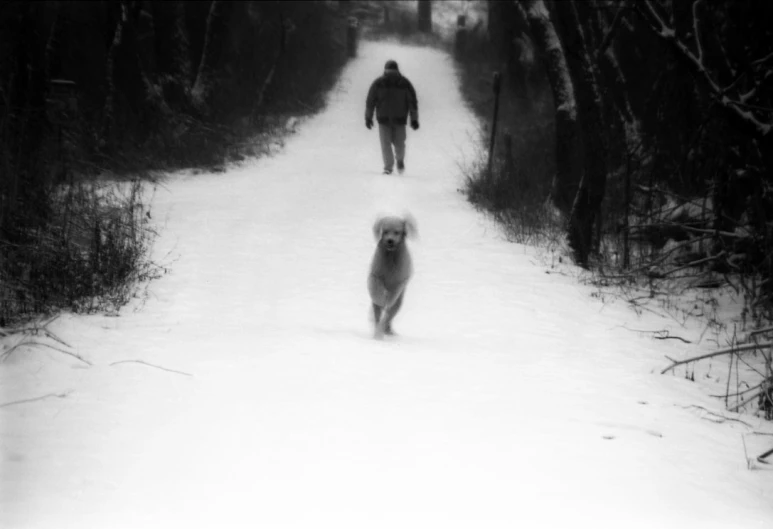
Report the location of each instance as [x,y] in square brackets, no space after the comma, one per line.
[409,226]
[377,228]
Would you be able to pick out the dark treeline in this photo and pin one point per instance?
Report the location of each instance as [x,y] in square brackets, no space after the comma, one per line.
[661,132]
[88,87]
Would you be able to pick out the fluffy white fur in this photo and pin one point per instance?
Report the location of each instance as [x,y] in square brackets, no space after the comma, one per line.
[390,269]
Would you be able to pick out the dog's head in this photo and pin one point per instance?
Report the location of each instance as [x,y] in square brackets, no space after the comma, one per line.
[391,232]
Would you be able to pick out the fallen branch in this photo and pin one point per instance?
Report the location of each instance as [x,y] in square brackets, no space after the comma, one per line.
[745,401]
[738,394]
[736,349]
[761,457]
[29,329]
[761,331]
[152,365]
[661,336]
[715,414]
[57,395]
[691,264]
[22,342]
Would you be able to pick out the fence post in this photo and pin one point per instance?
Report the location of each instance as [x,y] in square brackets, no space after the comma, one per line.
[461,37]
[626,214]
[351,36]
[509,163]
[497,86]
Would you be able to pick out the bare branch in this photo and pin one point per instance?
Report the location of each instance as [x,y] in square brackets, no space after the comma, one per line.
[760,331]
[745,401]
[23,343]
[152,365]
[607,40]
[722,418]
[57,395]
[694,263]
[729,350]
[696,30]
[667,33]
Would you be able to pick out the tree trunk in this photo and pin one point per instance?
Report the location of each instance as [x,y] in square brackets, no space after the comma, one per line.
[587,203]
[108,114]
[217,20]
[568,151]
[22,183]
[137,66]
[607,56]
[173,53]
[506,27]
[425,16]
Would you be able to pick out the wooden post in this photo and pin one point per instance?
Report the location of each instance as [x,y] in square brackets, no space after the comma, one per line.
[497,86]
[627,213]
[509,163]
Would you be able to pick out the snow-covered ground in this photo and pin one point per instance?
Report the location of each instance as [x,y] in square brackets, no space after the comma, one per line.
[511,397]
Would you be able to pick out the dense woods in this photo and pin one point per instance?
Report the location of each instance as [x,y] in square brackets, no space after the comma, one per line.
[660,136]
[645,123]
[123,87]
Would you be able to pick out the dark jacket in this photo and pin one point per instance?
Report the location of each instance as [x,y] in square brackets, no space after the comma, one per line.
[393,98]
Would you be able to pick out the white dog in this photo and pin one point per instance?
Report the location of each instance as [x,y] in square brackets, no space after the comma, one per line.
[390,270]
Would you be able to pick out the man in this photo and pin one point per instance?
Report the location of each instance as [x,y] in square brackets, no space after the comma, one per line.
[394,100]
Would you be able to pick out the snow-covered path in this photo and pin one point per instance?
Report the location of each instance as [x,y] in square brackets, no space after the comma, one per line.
[510,398]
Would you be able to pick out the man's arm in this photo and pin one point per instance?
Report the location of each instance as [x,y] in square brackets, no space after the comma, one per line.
[370,101]
[413,102]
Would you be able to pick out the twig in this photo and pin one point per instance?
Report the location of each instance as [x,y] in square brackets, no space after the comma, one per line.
[57,395]
[694,263]
[32,342]
[760,331]
[736,349]
[55,337]
[662,334]
[152,365]
[738,394]
[761,457]
[724,418]
[745,402]
[669,337]
[745,452]
[612,28]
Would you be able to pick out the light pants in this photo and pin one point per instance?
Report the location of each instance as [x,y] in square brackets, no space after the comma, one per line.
[392,135]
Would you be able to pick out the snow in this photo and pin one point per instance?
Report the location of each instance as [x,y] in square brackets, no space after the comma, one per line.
[511,397]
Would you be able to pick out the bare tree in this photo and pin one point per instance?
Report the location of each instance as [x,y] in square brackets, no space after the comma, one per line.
[217,19]
[568,147]
[587,202]
[173,54]
[425,16]
[744,97]
[108,114]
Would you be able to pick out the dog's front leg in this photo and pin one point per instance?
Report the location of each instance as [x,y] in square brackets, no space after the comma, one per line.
[379,314]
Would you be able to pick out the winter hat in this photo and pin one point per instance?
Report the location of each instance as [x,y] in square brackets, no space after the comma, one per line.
[391,65]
